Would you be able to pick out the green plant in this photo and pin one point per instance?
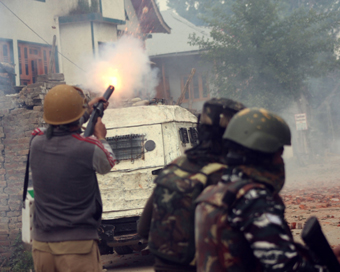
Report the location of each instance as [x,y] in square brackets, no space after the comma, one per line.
[20,260]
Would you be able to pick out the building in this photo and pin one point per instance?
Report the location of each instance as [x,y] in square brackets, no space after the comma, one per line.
[27,28]
[175,58]
[81,28]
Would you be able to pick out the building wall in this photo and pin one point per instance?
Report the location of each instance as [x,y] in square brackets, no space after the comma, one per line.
[113,9]
[176,70]
[20,114]
[78,41]
[35,14]
[76,45]
[105,33]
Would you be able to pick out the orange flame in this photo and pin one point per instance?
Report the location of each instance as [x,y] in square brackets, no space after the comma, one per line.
[112,76]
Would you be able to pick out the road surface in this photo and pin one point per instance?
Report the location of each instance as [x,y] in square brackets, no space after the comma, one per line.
[128,263]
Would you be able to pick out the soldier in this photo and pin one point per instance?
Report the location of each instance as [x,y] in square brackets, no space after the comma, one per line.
[240,223]
[171,223]
[67,206]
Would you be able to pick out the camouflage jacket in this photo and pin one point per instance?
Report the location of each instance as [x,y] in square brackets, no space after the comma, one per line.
[244,229]
[169,213]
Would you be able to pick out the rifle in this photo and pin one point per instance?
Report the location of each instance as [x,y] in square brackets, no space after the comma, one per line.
[316,241]
[98,111]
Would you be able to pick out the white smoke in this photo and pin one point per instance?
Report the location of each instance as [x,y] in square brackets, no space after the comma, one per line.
[126,65]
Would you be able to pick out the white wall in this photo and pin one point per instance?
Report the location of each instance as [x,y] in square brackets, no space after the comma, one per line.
[113,9]
[104,32]
[76,45]
[37,15]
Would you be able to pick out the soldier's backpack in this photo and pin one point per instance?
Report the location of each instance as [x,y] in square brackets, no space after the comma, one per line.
[171,235]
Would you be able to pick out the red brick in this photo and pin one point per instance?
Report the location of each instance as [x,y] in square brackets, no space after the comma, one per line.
[16,177]
[4,232]
[4,226]
[11,191]
[14,184]
[18,111]
[4,219]
[13,213]
[13,172]
[25,140]
[3,237]
[16,197]
[4,252]
[23,152]
[4,243]
[16,230]
[14,207]
[13,220]
[9,141]
[4,208]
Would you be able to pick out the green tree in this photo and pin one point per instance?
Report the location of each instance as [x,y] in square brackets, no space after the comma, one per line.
[263,51]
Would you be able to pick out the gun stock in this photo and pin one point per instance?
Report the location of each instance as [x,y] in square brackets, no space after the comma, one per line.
[316,241]
[98,111]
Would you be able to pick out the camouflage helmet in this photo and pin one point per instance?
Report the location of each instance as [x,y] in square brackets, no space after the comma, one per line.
[218,111]
[258,129]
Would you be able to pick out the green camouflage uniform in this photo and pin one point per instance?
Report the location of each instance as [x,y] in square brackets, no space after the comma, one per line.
[248,232]
[215,117]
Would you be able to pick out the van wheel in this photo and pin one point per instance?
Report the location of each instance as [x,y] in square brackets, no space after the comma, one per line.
[122,250]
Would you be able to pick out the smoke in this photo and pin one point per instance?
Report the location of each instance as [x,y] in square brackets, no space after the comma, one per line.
[126,65]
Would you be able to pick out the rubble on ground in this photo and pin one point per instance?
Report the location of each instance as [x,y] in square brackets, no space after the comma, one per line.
[322,202]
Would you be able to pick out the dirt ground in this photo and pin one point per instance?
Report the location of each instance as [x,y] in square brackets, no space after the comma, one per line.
[314,190]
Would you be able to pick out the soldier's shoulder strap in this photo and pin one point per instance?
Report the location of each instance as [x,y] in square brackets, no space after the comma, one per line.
[213,167]
[226,194]
[35,132]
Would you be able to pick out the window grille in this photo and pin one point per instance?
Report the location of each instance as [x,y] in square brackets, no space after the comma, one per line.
[127,147]
[193,135]
[183,133]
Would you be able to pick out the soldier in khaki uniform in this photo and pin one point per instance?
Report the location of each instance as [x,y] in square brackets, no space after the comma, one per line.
[240,224]
[166,240]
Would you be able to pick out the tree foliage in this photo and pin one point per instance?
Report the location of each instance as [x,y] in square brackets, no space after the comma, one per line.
[263,51]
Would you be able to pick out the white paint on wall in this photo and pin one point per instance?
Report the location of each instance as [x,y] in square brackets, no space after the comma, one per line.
[113,9]
[76,41]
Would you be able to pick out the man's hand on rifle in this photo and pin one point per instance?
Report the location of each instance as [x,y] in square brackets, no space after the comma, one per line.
[95,101]
[99,129]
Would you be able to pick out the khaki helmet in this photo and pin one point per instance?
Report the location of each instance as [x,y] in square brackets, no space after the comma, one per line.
[218,111]
[258,129]
[63,104]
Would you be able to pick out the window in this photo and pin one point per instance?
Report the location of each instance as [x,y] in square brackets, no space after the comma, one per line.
[103,46]
[198,88]
[5,51]
[34,60]
[127,147]
[186,134]
[20,65]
